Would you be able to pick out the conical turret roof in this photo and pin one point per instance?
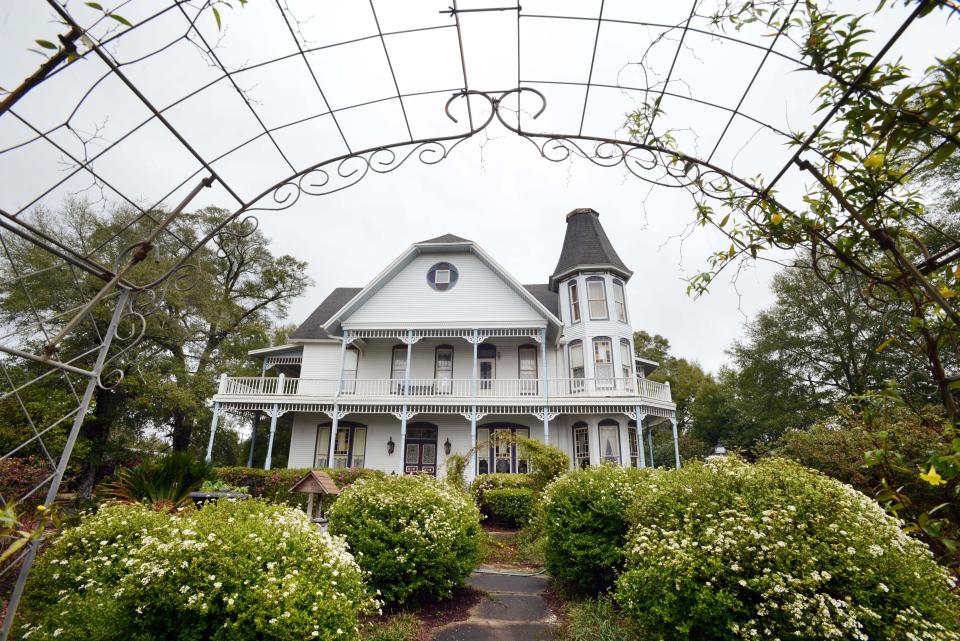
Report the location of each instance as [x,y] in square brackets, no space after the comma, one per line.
[586,247]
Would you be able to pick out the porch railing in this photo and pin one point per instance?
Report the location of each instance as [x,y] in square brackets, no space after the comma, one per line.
[446,388]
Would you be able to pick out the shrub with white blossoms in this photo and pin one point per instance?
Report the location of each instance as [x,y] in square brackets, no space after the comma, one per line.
[729,550]
[233,570]
[416,536]
[585,522]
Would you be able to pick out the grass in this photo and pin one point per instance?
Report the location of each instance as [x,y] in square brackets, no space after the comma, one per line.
[524,547]
[597,620]
[403,626]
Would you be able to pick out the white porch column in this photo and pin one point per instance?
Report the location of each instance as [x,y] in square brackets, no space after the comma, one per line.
[650,441]
[335,419]
[545,384]
[406,393]
[593,430]
[472,472]
[213,430]
[676,441]
[274,414]
[641,454]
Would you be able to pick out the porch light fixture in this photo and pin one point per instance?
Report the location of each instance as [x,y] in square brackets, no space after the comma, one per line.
[447,447]
[719,450]
[390,445]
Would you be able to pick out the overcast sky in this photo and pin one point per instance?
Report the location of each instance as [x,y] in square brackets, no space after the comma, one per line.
[494,188]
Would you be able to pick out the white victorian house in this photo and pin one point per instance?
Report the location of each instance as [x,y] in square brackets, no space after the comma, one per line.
[444,349]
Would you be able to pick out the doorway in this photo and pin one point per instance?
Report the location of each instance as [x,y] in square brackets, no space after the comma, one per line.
[420,449]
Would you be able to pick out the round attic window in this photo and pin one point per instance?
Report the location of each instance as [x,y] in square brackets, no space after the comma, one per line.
[442,276]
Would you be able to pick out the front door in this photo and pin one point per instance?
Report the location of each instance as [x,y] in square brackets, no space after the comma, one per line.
[420,453]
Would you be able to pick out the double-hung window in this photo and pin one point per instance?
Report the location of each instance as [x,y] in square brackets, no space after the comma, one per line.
[603,362]
[597,298]
[576,366]
[348,383]
[348,447]
[619,301]
[443,369]
[574,302]
[528,369]
[398,369]
[626,364]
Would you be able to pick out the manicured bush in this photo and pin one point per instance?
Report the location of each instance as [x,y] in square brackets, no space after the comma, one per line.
[729,550]
[498,481]
[233,570]
[585,523]
[510,505]
[416,536]
[274,485]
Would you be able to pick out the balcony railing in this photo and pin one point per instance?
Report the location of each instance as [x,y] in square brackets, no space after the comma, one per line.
[424,388]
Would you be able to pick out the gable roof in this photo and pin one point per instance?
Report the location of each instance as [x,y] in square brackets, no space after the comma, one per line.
[547,298]
[586,246]
[312,328]
[446,238]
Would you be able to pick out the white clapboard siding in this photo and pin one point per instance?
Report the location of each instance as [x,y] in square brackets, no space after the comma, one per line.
[479,296]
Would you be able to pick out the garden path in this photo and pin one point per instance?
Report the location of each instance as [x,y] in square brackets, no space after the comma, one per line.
[513,607]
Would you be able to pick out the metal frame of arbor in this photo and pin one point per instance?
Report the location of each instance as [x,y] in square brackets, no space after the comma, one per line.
[39,340]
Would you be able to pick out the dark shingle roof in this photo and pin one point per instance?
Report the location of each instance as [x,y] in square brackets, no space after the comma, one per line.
[313,326]
[586,244]
[446,238]
[547,298]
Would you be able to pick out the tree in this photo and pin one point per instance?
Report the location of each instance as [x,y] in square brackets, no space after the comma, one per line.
[685,377]
[205,318]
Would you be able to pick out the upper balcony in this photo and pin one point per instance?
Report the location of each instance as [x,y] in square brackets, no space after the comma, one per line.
[445,390]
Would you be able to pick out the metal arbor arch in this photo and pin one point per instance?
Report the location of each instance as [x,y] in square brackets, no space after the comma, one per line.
[104,57]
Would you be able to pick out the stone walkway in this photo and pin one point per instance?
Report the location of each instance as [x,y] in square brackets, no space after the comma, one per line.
[512,609]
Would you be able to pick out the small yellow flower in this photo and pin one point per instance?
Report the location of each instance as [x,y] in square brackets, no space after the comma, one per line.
[946,292]
[874,160]
[776,219]
[933,477]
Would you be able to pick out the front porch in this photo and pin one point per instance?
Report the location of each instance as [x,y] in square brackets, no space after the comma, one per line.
[378,438]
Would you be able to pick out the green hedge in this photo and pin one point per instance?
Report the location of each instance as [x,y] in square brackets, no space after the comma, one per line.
[728,551]
[498,481]
[510,505]
[417,537]
[274,485]
[585,522]
[231,571]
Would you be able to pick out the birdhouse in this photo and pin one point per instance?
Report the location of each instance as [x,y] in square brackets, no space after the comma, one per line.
[315,484]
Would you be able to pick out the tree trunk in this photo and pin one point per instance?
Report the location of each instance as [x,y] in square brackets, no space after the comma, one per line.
[182,431]
[96,431]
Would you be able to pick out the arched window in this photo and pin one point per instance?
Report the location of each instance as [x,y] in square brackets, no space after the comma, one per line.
[527,366]
[633,438]
[603,362]
[581,445]
[498,451]
[576,366]
[609,441]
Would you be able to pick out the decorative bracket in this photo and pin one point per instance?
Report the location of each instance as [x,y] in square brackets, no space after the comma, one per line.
[550,415]
[277,413]
[470,415]
[336,414]
[411,340]
[405,414]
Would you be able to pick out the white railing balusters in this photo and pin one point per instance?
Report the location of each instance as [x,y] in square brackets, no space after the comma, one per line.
[507,388]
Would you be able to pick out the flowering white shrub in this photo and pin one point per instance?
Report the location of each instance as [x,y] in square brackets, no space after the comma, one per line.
[729,550]
[416,536]
[585,522]
[231,570]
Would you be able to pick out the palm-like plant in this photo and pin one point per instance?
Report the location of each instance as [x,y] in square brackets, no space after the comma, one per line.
[167,480]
